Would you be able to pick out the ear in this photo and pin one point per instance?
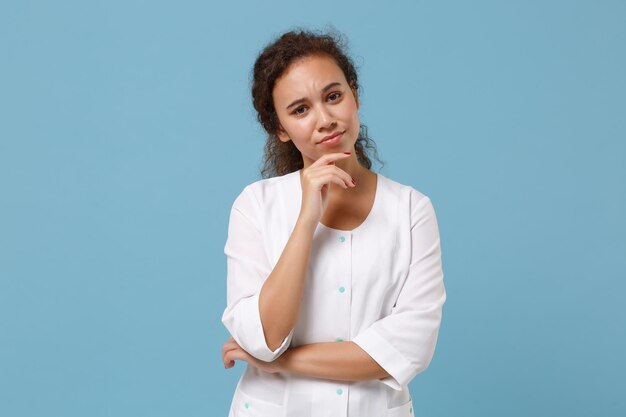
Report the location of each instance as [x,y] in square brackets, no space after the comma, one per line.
[282,135]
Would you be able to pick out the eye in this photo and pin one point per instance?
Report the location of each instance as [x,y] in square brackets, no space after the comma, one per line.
[296,111]
[335,93]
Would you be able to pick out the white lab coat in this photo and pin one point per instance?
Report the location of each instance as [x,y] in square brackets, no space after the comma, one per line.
[379,285]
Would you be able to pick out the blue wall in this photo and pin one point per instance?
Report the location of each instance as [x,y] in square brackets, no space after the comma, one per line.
[126,131]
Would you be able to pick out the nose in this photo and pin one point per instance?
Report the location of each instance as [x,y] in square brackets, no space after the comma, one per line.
[325,119]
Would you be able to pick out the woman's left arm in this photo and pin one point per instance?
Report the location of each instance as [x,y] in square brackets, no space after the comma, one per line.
[342,361]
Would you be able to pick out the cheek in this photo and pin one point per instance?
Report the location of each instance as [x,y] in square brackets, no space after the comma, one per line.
[354,115]
[302,129]
[350,111]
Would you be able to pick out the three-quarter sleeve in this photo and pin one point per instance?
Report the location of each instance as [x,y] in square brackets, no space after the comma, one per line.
[403,343]
[247,269]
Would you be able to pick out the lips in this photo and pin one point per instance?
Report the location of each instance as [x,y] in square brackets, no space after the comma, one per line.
[330,137]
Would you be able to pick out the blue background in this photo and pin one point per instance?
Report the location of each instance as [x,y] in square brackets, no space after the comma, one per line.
[127,130]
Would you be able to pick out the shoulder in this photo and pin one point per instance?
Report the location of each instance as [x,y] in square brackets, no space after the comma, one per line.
[410,204]
[254,194]
[405,193]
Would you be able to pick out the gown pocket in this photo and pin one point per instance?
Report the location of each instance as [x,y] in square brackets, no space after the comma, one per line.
[404,410]
[245,405]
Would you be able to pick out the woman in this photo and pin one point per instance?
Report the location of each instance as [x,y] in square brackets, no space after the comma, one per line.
[335,286]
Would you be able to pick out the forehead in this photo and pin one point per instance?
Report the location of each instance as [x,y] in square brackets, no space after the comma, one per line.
[313,72]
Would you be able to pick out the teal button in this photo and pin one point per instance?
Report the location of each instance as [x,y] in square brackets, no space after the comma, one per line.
[339,339]
[342,239]
[339,391]
[247,405]
[341,289]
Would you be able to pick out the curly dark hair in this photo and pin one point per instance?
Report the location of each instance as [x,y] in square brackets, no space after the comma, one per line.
[281,158]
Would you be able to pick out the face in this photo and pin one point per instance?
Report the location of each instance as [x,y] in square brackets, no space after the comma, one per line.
[313,100]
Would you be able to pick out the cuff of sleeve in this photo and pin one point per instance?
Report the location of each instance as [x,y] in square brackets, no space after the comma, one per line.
[250,324]
[388,357]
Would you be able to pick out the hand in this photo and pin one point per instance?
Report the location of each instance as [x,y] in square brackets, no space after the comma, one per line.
[231,351]
[315,181]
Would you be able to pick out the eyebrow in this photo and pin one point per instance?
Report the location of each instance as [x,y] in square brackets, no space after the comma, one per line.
[300,100]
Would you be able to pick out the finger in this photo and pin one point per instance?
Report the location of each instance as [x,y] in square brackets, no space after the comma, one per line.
[232,355]
[336,171]
[344,175]
[330,157]
[229,346]
[331,177]
[228,360]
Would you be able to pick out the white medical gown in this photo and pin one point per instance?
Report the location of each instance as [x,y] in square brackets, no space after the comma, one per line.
[379,285]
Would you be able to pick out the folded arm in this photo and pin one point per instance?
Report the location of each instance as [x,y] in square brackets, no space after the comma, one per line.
[343,361]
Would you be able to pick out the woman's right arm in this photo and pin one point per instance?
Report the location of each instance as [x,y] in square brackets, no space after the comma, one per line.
[281,294]
[279,302]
